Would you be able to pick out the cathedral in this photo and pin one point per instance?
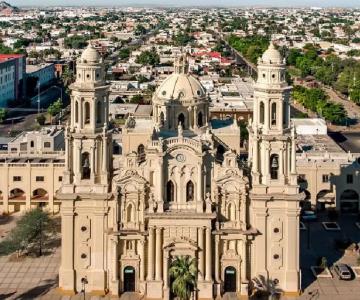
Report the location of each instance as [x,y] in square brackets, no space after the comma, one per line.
[179,188]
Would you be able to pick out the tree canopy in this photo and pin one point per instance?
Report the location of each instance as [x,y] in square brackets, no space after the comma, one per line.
[148,58]
[31,230]
[317,101]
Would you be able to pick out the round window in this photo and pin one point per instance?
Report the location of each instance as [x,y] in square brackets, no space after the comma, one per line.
[87,76]
[83,255]
[276,230]
[273,75]
[276,256]
[264,75]
[83,228]
[198,92]
[163,93]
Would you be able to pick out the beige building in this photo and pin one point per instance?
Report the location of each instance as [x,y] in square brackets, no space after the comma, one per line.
[179,188]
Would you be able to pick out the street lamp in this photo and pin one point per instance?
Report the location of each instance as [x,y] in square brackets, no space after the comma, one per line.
[84,282]
[38,101]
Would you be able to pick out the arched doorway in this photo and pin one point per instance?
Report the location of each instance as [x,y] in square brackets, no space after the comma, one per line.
[200,119]
[349,201]
[181,120]
[129,279]
[230,279]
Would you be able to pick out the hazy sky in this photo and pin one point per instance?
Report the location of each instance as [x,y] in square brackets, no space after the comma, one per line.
[321,3]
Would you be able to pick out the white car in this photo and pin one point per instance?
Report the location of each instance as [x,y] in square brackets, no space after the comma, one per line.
[343,271]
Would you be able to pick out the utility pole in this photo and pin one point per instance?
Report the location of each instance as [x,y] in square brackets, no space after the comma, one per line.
[38,101]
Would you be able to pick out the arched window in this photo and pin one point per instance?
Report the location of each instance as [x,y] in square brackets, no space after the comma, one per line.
[262,113]
[141,153]
[274,166]
[87,113]
[189,191]
[85,164]
[76,111]
[130,213]
[98,112]
[32,144]
[162,119]
[200,119]
[273,114]
[181,120]
[170,191]
[220,150]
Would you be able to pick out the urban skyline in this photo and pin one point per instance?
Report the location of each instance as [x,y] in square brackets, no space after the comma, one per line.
[225,3]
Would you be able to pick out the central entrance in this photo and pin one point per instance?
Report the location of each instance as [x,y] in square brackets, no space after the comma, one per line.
[129,279]
[230,280]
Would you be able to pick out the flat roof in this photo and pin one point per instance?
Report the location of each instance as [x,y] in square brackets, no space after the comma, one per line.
[317,143]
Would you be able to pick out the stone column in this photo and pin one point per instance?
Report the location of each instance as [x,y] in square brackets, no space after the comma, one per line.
[114,245]
[66,272]
[161,180]
[142,259]
[166,269]
[195,125]
[92,163]
[243,261]
[105,154]
[293,156]
[150,273]
[208,275]
[255,153]
[217,259]
[158,249]
[281,164]
[199,182]
[201,253]
[267,115]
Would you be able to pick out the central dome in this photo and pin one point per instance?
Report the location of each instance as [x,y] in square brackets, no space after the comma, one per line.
[181,87]
[90,55]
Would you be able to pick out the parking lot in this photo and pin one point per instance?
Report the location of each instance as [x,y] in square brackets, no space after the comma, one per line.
[317,242]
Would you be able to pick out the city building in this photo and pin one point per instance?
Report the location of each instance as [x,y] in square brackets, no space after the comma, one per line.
[178,188]
[48,139]
[12,70]
[45,72]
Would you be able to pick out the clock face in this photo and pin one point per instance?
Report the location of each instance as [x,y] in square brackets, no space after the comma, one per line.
[180,157]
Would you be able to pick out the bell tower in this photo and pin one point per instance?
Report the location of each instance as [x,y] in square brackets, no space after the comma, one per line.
[87,139]
[85,190]
[275,194]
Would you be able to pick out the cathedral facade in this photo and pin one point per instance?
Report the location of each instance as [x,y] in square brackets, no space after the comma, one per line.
[179,188]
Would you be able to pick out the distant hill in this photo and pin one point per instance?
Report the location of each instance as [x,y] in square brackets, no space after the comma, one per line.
[7,8]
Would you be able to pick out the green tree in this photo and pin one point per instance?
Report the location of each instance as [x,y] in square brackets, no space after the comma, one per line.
[124,53]
[30,233]
[140,30]
[138,99]
[148,58]
[67,77]
[3,114]
[183,272]
[41,119]
[55,108]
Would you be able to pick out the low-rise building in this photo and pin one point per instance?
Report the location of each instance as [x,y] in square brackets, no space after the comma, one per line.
[12,71]
[48,139]
[44,72]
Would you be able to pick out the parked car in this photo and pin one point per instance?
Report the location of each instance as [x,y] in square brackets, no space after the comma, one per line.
[308,215]
[343,271]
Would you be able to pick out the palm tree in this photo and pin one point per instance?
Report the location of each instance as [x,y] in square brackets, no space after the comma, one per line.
[183,271]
